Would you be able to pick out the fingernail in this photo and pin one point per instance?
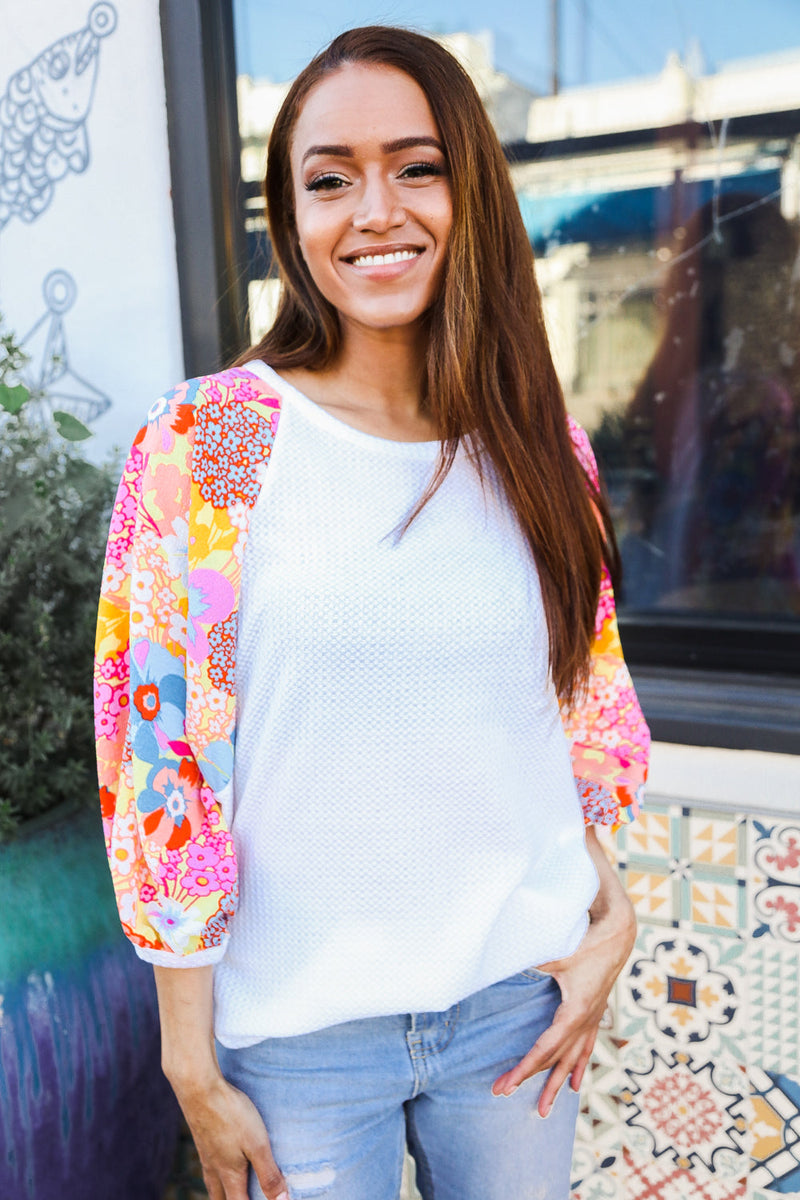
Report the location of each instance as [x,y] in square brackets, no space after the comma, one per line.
[283,1196]
[510,1091]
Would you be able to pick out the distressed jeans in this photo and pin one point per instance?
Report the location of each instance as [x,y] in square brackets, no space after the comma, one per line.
[341,1103]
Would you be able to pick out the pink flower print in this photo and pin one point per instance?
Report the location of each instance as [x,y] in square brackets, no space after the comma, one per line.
[104,725]
[115,666]
[202,858]
[605,605]
[200,883]
[225,872]
[167,416]
[244,387]
[112,699]
[220,840]
[147,893]
[124,508]
[211,600]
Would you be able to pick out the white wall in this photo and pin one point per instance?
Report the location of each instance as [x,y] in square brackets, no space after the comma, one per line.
[750,781]
[109,223]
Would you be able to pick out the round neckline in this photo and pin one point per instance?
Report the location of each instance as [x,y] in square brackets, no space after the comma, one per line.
[341,429]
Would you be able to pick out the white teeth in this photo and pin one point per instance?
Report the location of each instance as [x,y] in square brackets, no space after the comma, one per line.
[378,260]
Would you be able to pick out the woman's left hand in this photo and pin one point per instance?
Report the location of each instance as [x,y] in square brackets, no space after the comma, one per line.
[585,980]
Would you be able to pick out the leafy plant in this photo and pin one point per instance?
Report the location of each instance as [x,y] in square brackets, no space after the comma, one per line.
[54,508]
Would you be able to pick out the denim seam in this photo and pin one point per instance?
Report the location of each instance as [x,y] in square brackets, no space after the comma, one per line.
[423,1171]
[444,1039]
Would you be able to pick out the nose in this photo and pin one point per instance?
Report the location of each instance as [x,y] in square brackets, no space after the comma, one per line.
[379,206]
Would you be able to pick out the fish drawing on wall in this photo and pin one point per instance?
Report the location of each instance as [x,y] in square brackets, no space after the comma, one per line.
[43,117]
[48,373]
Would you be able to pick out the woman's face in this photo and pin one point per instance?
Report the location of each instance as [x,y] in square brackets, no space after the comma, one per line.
[372,196]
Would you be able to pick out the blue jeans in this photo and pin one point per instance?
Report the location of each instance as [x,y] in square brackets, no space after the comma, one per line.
[341,1103]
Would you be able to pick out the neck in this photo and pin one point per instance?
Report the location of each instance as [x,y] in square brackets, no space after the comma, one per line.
[375,384]
[381,371]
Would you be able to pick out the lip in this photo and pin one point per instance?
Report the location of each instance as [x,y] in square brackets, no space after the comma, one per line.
[383,248]
[384,272]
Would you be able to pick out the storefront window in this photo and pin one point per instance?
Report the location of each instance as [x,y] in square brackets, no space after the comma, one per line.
[664,210]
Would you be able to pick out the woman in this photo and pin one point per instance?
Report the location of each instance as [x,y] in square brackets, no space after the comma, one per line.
[423,582]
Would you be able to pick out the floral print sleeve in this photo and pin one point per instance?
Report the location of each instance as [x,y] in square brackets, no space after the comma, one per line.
[608,735]
[164,687]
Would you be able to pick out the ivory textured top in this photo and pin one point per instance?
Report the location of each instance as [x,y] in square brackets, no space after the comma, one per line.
[165,686]
[404,811]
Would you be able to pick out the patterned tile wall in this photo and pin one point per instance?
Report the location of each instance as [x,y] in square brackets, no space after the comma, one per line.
[694,1092]
[694,1088]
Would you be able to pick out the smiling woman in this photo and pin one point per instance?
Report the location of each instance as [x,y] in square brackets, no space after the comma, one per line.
[362,602]
[373,212]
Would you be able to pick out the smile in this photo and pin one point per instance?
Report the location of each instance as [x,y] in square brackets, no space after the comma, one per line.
[380,260]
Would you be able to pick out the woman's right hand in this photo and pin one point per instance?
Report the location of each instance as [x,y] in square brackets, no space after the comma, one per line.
[226,1126]
[229,1136]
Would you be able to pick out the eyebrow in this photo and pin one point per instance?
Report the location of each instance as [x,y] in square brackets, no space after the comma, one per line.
[343,151]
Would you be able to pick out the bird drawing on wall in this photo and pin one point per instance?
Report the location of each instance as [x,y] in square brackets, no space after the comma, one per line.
[43,117]
[48,373]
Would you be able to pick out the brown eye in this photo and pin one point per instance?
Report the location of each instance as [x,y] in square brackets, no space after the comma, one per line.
[422,170]
[325,183]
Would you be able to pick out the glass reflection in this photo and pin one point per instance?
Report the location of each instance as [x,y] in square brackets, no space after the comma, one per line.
[704,459]
[663,211]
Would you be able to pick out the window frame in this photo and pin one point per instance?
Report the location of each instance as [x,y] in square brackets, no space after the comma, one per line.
[199,58]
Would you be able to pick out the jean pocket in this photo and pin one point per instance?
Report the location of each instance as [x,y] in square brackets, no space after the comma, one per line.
[529,975]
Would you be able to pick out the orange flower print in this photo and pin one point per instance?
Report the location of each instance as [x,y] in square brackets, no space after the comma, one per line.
[147,701]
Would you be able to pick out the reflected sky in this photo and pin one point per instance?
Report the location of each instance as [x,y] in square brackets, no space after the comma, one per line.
[601,39]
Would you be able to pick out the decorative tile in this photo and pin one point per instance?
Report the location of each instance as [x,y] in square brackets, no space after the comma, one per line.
[773,975]
[711,839]
[687,869]
[692,1114]
[715,904]
[654,894]
[775,1128]
[659,1180]
[654,836]
[605,1185]
[777,852]
[685,989]
[776,880]
[598,1137]
[778,908]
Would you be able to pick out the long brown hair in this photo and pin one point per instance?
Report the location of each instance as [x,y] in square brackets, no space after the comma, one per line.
[489,368]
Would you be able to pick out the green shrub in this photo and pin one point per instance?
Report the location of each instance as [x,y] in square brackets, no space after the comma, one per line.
[54,510]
